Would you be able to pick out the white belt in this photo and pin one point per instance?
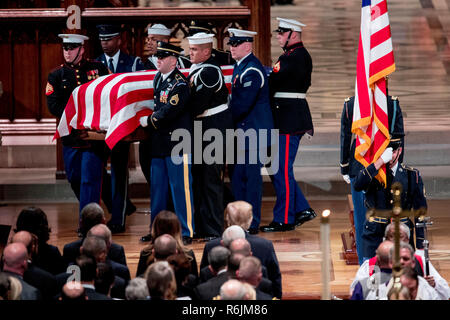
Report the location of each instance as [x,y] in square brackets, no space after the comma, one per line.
[292,95]
[213,111]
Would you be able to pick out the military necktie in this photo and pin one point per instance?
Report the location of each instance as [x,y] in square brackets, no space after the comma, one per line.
[111,65]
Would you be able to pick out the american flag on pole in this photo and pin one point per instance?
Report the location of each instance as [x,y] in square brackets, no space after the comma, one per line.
[375,60]
[114,103]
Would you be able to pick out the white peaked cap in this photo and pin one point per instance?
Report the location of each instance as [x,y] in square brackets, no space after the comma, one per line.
[72,38]
[201,38]
[241,33]
[292,24]
[159,29]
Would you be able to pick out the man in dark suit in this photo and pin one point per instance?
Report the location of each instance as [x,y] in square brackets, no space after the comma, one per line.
[15,264]
[250,272]
[42,280]
[117,62]
[350,167]
[218,261]
[250,107]
[240,213]
[289,81]
[88,272]
[91,215]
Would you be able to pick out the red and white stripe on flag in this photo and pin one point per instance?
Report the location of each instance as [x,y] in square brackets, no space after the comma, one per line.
[375,60]
[114,103]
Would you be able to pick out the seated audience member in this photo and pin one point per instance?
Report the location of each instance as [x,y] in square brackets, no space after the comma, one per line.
[434,278]
[367,268]
[44,281]
[104,280]
[240,213]
[234,290]
[250,272]
[419,289]
[161,281]
[10,287]
[88,273]
[218,261]
[73,292]
[102,231]
[186,282]
[165,245]
[91,215]
[166,222]
[251,292]
[370,287]
[48,257]
[137,289]
[15,263]
[96,247]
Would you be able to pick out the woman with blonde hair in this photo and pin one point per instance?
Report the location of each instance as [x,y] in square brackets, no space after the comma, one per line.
[166,222]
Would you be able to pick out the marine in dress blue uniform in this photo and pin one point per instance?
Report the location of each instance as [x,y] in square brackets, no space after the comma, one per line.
[170,113]
[250,107]
[117,62]
[350,167]
[208,104]
[379,197]
[289,82]
[83,160]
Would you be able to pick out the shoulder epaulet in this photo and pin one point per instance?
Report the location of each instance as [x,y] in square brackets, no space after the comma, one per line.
[347,99]
[406,167]
[394,98]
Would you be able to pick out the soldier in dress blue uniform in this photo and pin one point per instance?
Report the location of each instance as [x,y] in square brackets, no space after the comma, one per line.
[288,82]
[208,104]
[380,197]
[171,112]
[83,160]
[222,57]
[250,107]
[117,62]
[350,167]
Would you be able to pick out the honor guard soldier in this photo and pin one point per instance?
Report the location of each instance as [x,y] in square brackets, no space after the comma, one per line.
[208,104]
[157,32]
[83,161]
[379,196]
[350,167]
[288,83]
[117,62]
[170,171]
[250,107]
[222,57]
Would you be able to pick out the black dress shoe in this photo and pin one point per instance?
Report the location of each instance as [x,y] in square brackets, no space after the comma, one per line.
[277,226]
[187,240]
[303,216]
[253,230]
[147,238]
[116,228]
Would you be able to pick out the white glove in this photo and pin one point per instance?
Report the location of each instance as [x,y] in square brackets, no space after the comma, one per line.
[346,178]
[144,121]
[387,155]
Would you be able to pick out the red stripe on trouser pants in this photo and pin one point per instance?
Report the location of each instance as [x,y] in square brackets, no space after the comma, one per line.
[286,178]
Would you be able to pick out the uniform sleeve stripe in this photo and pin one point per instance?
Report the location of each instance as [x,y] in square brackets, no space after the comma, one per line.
[259,71]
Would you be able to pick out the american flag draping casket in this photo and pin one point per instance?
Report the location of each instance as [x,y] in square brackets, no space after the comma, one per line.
[114,104]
